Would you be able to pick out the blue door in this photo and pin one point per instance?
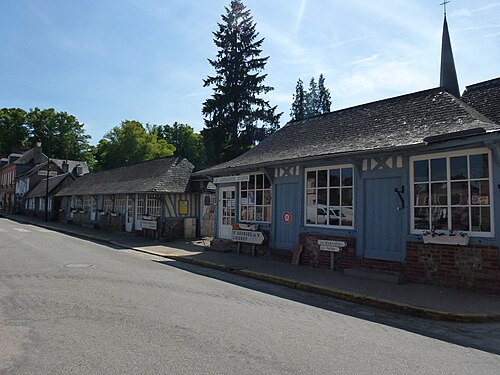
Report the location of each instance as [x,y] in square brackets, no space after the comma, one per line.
[384,222]
[287,215]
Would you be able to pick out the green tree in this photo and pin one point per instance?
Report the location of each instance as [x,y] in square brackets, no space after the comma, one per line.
[236,116]
[13,130]
[128,144]
[315,101]
[60,133]
[312,100]
[299,104]
[187,143]
[324,97]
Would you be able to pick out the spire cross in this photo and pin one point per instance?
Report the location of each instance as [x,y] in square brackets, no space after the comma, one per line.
[444,5]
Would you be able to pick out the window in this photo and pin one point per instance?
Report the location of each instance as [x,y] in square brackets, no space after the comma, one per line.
[108,203]
[255,199]
[452,191]
[329,197]
[140,207]
[152,205]
[120,203]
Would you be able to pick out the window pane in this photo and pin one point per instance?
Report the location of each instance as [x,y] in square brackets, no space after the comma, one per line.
[459,193]
[243,215]
[260,181]
[251,182]
[346,218]
[258,213]
[480,192]
[334,177]
[347,197]
[480,217]
[322,197]
[458,168]
[244,185]
[439,194]
[479,166]
[334,197]
[251,213]
[311,207]
[421,194]
[267,197]
[440,218]
[322,215]
[346,176]
[322,178]
[422,218]
[460,218]
[334,216]
[311,179]
[267,213]
[267,183]
[260,197]
[421,170]
[438,170]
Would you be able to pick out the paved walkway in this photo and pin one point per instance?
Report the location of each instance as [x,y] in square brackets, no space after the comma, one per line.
[426,301]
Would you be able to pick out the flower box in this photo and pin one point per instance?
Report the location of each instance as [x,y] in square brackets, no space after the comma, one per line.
[102,213]
[446,239]
[114,214]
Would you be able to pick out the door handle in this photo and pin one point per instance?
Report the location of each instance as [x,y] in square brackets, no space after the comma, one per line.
[400,192]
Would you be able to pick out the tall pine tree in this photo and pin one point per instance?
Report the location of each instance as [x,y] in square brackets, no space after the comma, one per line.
[315,101]
[236,116]
[324,97]
[298,105]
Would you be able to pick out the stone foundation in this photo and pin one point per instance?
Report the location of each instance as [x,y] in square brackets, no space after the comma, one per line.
[466,267]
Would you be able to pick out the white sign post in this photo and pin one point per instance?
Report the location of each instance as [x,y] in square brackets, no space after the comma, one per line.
[333,247]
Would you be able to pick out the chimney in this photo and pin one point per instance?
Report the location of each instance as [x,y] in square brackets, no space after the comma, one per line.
[37,153]
[65,166]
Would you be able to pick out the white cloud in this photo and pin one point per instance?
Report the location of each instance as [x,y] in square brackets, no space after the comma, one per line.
[366,59]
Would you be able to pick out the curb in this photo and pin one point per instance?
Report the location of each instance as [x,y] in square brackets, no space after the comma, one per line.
[340,294]
[293,284]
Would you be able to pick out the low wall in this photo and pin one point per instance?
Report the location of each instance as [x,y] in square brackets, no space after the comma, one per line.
[469,267]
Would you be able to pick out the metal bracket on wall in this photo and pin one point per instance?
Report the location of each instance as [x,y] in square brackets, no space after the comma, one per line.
[400,192]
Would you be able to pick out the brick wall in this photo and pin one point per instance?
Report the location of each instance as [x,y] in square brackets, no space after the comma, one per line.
[470,267]
[311,254]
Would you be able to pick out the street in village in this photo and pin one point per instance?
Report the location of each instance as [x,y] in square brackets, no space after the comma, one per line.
[72,306]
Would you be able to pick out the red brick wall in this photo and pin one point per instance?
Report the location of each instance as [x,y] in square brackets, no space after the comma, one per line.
[311,254]
[470,267]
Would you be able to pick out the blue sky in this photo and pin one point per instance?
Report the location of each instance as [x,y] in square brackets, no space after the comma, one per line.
[105,61]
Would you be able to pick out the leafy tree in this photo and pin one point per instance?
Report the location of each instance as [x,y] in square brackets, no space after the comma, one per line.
[315,101]
[324,97]
[236,116]
[299,104]
[187,143]
[13,130]
[128,144]
[60,133]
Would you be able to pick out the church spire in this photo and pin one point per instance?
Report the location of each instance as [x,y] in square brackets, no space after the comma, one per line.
[448,77]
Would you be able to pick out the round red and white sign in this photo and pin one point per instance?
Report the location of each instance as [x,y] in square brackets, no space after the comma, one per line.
[287,217]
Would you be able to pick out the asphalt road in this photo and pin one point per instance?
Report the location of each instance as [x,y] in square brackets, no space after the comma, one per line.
[69,306]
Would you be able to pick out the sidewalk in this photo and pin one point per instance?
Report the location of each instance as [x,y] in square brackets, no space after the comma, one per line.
[426,301]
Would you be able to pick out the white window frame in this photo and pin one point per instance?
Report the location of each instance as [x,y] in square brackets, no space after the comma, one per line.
[120,203]
[448,156]
[107,203]
[153,205]
[255,205]
[328,187]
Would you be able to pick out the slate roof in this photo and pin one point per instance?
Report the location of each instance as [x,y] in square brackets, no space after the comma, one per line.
[485,98]
[40,189]
[165,175]
[72,164]
[382,125]
[28,156]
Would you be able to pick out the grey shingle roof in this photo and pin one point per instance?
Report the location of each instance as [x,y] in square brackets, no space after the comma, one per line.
[165,175]
[72,164]
[41,189]
[484,97]
[28,156]
[382,125]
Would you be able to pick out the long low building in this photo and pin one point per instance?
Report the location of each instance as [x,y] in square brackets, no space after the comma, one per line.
[157,198]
